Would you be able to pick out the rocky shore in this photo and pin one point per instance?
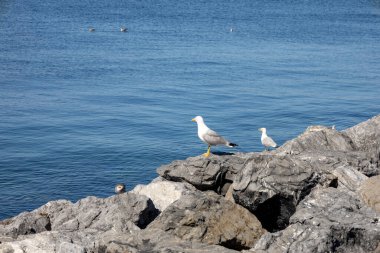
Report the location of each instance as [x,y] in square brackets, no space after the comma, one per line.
[319,192]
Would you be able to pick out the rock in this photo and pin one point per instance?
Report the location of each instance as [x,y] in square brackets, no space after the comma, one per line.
[229,195]
[204,173]
[156,240]
[328,220]
[362,140]
[370,192]
[148,240]
[209,218]
[82,223]
[327,161]
[106,214]
[163,192]
[348,177]
[317,193]
[366,135]
[91,212]
[66,247]
[271,186]
[323,138]
[44,242]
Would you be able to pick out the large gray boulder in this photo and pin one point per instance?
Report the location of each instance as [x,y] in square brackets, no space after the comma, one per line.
[209,218]
[366,135]
[328,220]
[155,240]
[148,240]
[45,242]
[105,214]
[318,138]
[163,192]
[91,212]
[82,223]
[271,184]
[214,173]
[369,192]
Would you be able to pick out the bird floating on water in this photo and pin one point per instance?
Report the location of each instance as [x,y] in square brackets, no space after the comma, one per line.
[210,137]
[120,188]
[91,29]
[123,29]
[266,140]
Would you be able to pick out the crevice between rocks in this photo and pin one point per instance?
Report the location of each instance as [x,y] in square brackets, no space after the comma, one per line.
[274,213]
[234,244]
[334,183]
[148,215]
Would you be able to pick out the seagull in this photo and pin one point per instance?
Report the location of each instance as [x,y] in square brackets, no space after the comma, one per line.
[91,29]
[120,188]
[123,29]
[210,137]
[266,140]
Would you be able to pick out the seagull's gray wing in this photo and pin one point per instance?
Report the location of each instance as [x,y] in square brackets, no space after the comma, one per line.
[213,138]
[269,142]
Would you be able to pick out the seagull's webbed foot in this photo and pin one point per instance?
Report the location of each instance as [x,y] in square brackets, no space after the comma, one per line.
[207,154]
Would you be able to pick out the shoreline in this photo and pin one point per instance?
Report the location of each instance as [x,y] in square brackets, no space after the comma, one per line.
[322,186]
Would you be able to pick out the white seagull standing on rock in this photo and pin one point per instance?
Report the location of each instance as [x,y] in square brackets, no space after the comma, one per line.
[266,140]
[210,137]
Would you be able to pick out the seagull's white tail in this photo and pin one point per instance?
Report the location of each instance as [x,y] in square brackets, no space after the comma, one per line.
[231,145]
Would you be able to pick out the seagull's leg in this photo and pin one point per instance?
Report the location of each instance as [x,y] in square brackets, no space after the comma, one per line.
[207,154]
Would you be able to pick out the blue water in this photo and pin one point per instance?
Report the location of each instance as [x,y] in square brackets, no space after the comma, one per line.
[81,111]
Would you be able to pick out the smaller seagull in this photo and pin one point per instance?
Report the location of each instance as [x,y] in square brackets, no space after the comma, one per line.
[210,137]
[266,140]
[123,29]
[120,188]
[91,29]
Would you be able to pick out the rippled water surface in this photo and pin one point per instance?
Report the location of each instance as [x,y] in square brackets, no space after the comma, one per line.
[81,111]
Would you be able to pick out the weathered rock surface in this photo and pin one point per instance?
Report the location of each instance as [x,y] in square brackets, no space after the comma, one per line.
[366,135]
[209,218]
[271,184]
[81,223]
[328,220]
[148,240]
[156,240]
[317,193]
[89,213]
[163,192]
[205,174]
[370,192]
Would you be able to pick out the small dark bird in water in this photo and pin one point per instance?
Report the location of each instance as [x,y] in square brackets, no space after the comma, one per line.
[91,29]
[123,29]
[120,188]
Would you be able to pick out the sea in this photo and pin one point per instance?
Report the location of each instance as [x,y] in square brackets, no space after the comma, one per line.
[84,106]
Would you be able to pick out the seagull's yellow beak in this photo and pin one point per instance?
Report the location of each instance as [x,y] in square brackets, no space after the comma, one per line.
[194,120]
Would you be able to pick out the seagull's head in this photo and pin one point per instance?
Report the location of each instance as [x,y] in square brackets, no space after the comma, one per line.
[198,119]
[120,188]
[263,129]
